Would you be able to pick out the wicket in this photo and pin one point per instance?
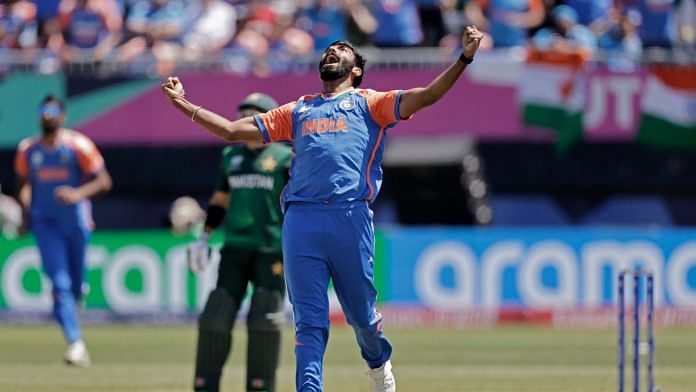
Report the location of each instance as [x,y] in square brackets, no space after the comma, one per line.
[650,305]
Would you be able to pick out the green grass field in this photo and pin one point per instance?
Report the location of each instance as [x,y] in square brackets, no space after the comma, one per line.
[156,358]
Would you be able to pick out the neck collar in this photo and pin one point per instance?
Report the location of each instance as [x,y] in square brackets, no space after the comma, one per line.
[336,95]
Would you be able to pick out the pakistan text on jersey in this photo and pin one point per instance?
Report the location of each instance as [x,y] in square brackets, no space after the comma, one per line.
[251,181]
[323,125]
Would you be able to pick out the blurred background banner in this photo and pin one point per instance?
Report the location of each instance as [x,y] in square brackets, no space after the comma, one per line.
[130,273]
[535,268]
[578,102]
[464,275]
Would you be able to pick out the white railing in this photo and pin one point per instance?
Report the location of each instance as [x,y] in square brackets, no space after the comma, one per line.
[231,60]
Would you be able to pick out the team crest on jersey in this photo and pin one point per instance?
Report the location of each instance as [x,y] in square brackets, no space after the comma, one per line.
[64,156]
[268,164]
[347,104]
[37,158]
[236,162]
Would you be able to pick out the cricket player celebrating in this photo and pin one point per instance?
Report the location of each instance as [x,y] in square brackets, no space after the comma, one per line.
[252,177]
[57,173]
[339,137]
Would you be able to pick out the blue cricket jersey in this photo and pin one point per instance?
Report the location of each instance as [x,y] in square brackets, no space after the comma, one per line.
[70,162]
[504,33]
[338,143]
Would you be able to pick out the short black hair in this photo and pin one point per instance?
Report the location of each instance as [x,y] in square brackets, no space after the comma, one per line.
[360,61]
[53,98]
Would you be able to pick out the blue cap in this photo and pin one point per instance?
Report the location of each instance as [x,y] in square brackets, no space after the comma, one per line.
[564,13]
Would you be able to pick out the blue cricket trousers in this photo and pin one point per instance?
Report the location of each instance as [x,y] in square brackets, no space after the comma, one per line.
[322,242]
[62,247]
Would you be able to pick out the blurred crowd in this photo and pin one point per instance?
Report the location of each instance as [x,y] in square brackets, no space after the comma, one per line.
[94,30]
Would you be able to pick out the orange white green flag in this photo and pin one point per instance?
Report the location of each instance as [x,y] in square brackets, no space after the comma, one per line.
[551,94]
[668,108]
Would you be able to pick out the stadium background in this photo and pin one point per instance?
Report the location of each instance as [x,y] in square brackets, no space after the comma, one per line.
[487,215]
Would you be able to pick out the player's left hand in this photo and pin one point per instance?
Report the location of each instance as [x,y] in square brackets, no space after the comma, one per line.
[471,40]
[67,195]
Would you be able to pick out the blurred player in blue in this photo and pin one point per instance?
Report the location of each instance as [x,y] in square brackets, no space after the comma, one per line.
[57,173]
[339,137]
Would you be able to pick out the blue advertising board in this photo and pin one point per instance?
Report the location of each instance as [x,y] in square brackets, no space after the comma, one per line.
[546,268]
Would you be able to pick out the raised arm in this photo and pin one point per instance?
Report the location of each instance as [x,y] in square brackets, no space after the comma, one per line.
[244,129]
[417,98]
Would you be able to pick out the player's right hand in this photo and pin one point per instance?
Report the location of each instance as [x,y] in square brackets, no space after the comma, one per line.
[198,254]
[173,88]
[68,195]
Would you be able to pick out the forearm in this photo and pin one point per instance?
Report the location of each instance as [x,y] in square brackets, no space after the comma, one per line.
[99,185]
[443,83]
[24,194]
[241,130]
[416,99]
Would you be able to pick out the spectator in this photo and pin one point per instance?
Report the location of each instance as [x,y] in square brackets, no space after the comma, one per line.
[548,5]
[686,22]
[288,42]
[92,28]
[434,29]
[263,17]
[153,24]
[51,36]
[46,10]
[566,35]
[327,20]
[17,24]
[589,11]
[658,25]
[398,24]
[254,38]
[213,27]
[507,21]
[618,37]
[270,41]
[453,16]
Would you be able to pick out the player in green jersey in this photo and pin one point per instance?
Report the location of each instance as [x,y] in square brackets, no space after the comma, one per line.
[252,177]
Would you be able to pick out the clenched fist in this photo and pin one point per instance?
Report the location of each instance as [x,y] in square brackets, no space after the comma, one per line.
[173,88]
[471,40]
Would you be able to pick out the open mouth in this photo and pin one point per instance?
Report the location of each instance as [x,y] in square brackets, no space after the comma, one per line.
[331,59]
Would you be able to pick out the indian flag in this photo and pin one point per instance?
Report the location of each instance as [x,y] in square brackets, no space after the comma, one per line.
[669,107]
[551,94]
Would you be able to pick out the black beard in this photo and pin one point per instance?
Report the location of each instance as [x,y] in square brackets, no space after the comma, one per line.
[48,129]
[327,73]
